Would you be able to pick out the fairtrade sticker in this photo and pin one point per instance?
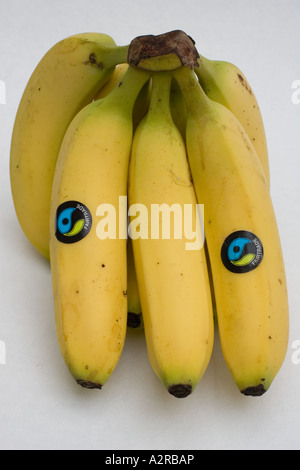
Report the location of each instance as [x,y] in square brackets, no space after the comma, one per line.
[242,251]
[73,222]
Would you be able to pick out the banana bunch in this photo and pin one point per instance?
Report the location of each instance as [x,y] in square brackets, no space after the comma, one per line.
[142,173]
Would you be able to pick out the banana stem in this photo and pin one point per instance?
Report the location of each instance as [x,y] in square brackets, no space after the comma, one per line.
[160,95]
[195,97]
[203,69]
[114,56]
[128,89]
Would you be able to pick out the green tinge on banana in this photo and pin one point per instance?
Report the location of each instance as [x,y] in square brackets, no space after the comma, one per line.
[225,83]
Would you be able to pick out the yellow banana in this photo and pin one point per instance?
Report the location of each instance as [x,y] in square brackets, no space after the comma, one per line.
[178,108]
[88,246]
[242,239]
[65,80]
[172,280]
[141,104]
[134,319]
[113,82]
[225,83]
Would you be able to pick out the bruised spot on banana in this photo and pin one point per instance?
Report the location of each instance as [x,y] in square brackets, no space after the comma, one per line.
[244,83]
[93,60]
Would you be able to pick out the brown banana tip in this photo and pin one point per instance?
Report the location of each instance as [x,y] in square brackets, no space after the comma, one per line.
[133,320]
[256,391]
[89,385]
[180,390]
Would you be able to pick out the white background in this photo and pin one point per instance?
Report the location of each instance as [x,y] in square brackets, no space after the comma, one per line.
[41,407]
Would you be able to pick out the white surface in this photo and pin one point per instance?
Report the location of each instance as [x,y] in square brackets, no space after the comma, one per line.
[40,405]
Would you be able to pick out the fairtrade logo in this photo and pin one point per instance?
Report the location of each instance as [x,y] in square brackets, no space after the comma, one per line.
[242,251]
[73,222]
